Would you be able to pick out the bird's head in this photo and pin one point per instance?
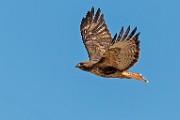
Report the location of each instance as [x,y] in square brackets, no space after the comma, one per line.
[84,66]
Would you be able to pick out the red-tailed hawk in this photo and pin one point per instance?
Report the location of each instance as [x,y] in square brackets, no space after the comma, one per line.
[109,57]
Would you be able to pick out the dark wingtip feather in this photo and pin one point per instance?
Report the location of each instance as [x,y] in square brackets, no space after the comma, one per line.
[88,14]
[92,9]
[99,10]
[88,18]
[101,19]
[97,15]
[121,33]
[126,33]
[137,35]
[91,14]
[115,36]
[135,29]
[82,23]
[114,39]
[102,16]
[128,27]
[132,33]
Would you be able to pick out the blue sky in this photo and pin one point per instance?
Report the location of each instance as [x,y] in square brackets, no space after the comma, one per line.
[40,43]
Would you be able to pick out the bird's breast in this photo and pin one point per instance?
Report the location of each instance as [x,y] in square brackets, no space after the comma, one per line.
[106,71]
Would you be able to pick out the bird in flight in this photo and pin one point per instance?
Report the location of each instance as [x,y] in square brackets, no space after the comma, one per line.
[109,57]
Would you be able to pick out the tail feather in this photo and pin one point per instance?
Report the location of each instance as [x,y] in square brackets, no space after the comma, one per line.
[136,76]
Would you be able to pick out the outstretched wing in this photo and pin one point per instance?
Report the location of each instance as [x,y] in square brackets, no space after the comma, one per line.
[124,53]
[95,34]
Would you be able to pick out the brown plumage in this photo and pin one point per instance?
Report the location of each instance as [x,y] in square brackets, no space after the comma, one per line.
[109,57]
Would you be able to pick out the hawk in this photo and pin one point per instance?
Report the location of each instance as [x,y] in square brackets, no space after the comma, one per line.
[109,57]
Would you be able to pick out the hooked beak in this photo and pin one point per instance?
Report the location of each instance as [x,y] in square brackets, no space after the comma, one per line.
[78,65]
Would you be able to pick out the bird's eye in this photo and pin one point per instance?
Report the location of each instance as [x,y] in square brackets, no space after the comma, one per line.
[85,31]
[79,65]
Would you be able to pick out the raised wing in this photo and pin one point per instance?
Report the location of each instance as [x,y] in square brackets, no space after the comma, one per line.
[95,34]
[124,53]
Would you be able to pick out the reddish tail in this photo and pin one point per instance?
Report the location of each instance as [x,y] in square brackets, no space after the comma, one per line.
[136,76]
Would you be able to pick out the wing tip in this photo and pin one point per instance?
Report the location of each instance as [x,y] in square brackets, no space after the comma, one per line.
[96,17]
[99,9]
[126,33]
[137,35]
[120,33]
[92,10]
[129,27]
[114,39]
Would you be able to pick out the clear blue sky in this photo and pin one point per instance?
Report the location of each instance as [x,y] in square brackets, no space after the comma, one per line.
[40,43]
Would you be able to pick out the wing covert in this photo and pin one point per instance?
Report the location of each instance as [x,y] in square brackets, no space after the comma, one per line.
[124,53]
